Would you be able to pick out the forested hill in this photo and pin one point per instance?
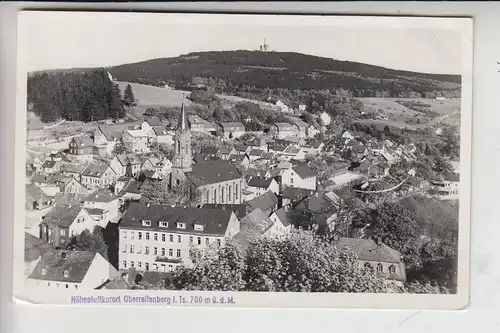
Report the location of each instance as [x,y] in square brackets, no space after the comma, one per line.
[74,95]
[233,70]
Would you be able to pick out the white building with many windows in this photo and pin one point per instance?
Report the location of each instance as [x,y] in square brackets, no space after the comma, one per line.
[159,238]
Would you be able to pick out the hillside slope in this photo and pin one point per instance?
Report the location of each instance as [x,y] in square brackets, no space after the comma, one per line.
[232,70]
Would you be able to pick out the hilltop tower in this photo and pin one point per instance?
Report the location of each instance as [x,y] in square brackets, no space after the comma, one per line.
[182,159]
[264,47]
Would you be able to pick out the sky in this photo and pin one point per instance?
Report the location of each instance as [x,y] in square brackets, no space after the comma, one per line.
[50,40]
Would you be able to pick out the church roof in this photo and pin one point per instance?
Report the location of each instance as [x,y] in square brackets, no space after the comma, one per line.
[213,171]
[183,123]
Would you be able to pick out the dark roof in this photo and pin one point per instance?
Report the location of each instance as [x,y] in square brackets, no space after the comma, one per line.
[253,226]
[296,193]
[211,172]
[209,150]
[34,247]
[35,193]
[73,168]
[225,150]
[83,141]
[118,283]
[367,249]
[108,133]
[153,278]
[49,164]
[240,210]
[96,169]
[160,130]
[102,195]
[76,264]
[154,122]
[241,147]
[284,126]
[95,211]
[265,201]
[235,126]
[304,171]
[256,152]
[451,177]
[283,216]
[260,182]
[133,186]
[62,215]
[215,221]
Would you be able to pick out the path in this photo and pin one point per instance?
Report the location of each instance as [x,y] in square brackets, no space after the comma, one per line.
[55,125]
[386,190]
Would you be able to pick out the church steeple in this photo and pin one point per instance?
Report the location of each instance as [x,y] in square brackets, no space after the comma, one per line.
[182,124]
[182,158]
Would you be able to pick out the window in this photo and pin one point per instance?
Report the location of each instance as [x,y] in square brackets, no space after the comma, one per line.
[124,248]
[190,239]
[291,180]
[178,147]
[178,253]
[146,250]
[132,264]
[368,265]
[181,225]
[155,236]
[146,223]
[139,264]
[198,227]
[222,195]
[163,268]
[139,250]
[124,264]
[171,238]
[147,235]
[48,284]
[163,224]
[62,232]
[162,251]
[132,235]
[44,271]
[67,286]
[131,249]
[139,235]
[215,195]
[155,251]
[179,239]
[199,240]
[170,252]
[170,267]
[236,192]
[218,242]
[147,265]
[380,268]
[76,286]
[392,269]
[162,237]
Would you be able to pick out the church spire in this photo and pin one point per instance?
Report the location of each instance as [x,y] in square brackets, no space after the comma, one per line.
[183,125]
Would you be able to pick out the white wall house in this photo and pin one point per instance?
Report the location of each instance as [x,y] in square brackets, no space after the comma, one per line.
[301,176]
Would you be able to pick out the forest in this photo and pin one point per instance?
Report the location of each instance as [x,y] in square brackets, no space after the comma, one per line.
[244,72]
[74,96]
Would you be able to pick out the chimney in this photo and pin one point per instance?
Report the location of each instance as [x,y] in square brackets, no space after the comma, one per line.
[148,205]
[378,241]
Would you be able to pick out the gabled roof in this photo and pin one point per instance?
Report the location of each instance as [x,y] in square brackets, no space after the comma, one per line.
[284,126]
[265,201]
[296,193]
[207,150]
[214,171]
[73,168]
[83,141]
[260,182]
[42,179]
[49,164]
[96,169]
[108,133]
[451,177]
[240,148]
[101,195]
[133,186]
[367,249]
[135,133]
[253,226]
[283,216]
[62,215]
[240,210]
[35,193]
[154,122]
[256,152]
[215,221]
[304,171]
[34,247]
[53,264]
[225,150]
[233,126]
[160,130]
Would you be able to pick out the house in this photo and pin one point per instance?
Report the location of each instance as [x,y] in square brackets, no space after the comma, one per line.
[292,153]
[358,152]
[254,226]
[162,167]
[197,124]
[282,107]
[282,130]
[240,210]
[325,118]
[73,170]
[97,175]
[82,147]
[107,201]
[301,176]
[34,249]
[136,141]
[255,154]
[267,202]
[260,185]
[71,270]
[377,148]
[322,209]
[281,223]
[347,136]
[242,149]
[46,183]
[300,127]
[312,130]
[313,148]
[388,157]
[159,238]
[105,140]
[446,184]
[128,189]
[291,196]
[126,164]
[50,166]
[36,199]
[225,152]
[64,222]
[72,185]
[376,255]
[232,130]
[241,162]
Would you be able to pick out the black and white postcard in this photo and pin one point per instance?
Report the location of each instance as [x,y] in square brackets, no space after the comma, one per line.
[243,160]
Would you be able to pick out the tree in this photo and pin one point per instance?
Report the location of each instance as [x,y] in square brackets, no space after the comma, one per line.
[116,108]
[128,96]
[157,192]
[119,148]
[93,242]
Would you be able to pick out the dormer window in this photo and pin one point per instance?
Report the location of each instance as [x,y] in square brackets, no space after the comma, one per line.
[44,271]
[146,223]
[66,273]
[198,227]
[181,225]
[163,224]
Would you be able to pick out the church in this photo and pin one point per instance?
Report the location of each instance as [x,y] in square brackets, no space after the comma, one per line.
[219,181]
